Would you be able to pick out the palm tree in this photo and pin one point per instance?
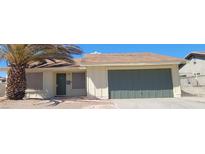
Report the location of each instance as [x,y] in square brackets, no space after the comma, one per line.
[20,56]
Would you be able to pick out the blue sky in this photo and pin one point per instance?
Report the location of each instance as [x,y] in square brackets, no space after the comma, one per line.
[176,50]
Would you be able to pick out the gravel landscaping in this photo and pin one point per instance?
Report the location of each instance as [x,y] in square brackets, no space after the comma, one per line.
[85,103]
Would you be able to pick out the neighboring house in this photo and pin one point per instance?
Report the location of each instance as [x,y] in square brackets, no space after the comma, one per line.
[193,72]
[2,80]
[104,76]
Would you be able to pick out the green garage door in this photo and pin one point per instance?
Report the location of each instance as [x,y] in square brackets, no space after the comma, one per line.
[149,83]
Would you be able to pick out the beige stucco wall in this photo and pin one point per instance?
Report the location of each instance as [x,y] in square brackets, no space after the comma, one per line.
[97,82]
[49,85]
[176,81]
[97,79]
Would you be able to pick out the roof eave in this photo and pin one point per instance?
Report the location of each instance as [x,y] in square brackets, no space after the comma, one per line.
[135,64]
[57,68]
[83,66]
[194,54]
[5,69]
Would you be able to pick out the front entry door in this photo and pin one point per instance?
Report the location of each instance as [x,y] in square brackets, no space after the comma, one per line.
[61,84]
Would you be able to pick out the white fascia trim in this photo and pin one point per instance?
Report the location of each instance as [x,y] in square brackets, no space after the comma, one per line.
[83,67]
[135,64]
[56,68]
[5,69]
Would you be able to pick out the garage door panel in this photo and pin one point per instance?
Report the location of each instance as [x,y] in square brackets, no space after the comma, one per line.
[140,83]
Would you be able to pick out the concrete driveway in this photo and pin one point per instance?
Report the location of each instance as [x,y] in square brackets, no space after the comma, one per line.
[161,103]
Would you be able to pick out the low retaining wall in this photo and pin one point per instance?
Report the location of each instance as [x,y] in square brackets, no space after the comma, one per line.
[2,89]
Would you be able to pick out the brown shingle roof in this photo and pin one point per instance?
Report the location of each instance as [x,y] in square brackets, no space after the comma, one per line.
[92,59]
[120,58]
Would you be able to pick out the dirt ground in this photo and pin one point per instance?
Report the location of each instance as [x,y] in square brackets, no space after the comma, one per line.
[56,103]
[85,103]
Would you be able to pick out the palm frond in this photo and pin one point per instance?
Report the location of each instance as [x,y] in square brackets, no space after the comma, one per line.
[23,54]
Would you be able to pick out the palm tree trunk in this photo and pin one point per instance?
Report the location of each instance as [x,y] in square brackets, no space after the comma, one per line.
[16,82]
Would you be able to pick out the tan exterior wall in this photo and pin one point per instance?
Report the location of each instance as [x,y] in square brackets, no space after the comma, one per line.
[49,85]
[97,82]
[97,79]
[176,81]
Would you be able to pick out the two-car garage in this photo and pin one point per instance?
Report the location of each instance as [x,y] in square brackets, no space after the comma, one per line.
[132,75]
[142,83]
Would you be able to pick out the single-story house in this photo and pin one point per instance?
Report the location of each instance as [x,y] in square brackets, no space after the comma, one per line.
[107,76]
[2,79]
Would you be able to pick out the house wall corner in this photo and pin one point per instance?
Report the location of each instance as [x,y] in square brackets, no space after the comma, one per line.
[97,82]
[176,81]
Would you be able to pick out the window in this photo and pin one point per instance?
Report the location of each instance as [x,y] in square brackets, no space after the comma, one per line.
[196,74]
[34,81]
[183,76]
[78,80]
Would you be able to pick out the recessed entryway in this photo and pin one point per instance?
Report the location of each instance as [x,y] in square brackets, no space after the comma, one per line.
[61,84]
